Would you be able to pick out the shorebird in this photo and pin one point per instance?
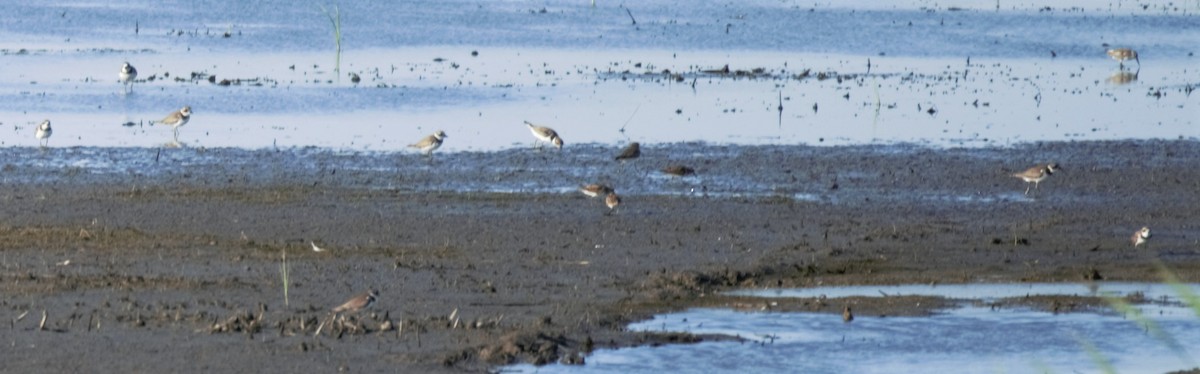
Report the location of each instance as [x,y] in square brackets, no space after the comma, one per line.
[612,200]
[358,302]
[1140,237]
[429,143]
[1037,174]
[847,316]
[176,119]
[43,133]
[679,170]
[632,151]
[545,134]
[1124,54]
[596,189]
[126,76]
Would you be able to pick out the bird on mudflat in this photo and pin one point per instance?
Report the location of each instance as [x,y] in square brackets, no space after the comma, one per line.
[612,200]
[632,151]
[545,134]
[430,143]
[595,189]
[358,302]
[1037,174]
[1140,237]
[678,170]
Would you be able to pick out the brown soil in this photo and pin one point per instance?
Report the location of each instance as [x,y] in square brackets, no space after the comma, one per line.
[182,273]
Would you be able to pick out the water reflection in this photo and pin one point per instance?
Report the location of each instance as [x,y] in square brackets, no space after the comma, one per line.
[1123,77]
[963,340]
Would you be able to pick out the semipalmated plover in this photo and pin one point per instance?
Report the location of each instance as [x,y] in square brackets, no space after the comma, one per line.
[596,189]
[1036,174]
[545,134]
[1140,237]
[679,170]
[359,302]
[612,200]
[127,75]
[630,152]
[177,118]
[1124,54]
[429,143]
[847,316]
[43,133]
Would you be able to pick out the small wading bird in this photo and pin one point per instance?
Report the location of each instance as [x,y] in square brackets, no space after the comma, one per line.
[1140,237]
[594,190]
[847,316]
[634,150]
[357,303]
[43,133]
[678,170]
[1124,54]
[127,75]
[544,134]
[612,200]
[176,119]
[1037,174]
[430,143]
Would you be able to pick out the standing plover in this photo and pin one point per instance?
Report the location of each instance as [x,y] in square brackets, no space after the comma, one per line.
[596,189]
[612,200]
[176,119]
[127,75]
[631,152]
[358,302]
[43,133]
[545,134]
[1140,237]
[1124,54]
[679,170]
[429,143]
[1037,174]
[847,316]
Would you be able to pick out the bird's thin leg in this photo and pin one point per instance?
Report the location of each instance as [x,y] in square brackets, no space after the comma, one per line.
[1026,189]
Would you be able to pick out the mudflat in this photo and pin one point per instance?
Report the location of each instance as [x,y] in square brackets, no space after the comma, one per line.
[141,260]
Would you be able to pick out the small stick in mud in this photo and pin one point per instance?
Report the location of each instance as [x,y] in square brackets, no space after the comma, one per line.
[42,325]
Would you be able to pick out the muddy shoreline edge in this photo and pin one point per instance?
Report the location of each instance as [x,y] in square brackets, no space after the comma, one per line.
[189,253]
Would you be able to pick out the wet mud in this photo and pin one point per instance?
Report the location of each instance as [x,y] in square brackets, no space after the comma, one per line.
[177,257]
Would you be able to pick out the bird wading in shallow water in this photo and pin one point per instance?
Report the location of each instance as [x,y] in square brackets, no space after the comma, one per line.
[176,119]
[43,133]
[1037,174]
[1124,54]
[127,75]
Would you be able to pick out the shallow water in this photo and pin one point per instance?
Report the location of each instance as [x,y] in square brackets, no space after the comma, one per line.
[977,77]
[966,339]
